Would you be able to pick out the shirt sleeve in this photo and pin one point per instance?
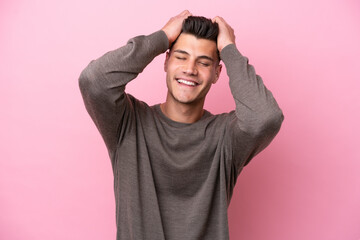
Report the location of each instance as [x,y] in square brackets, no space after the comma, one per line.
[257,118]
[102,84]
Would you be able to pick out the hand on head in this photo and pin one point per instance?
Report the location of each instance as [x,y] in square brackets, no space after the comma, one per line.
[226,33]
[173,27]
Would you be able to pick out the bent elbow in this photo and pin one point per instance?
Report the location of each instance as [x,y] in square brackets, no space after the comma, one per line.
[88,81]
[265,124]
[84,81]
[271,123]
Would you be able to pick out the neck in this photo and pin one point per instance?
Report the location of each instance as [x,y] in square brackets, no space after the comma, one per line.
[184,113]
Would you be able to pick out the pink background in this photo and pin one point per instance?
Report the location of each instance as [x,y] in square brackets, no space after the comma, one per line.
[55,175]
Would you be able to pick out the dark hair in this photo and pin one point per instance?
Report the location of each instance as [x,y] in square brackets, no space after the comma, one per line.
[200,27]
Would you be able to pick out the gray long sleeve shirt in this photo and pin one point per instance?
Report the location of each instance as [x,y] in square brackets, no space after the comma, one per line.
[174,180]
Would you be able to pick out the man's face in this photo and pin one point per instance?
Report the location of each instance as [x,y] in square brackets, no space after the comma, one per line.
[191,66]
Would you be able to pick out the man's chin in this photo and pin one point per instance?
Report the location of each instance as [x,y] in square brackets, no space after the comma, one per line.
[188,101]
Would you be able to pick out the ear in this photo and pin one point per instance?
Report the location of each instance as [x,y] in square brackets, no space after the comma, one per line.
[166,60]
[217,73]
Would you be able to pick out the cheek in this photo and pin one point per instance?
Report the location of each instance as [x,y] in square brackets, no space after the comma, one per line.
[170,68]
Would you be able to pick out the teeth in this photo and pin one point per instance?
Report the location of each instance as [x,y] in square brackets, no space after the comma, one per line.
[186,82]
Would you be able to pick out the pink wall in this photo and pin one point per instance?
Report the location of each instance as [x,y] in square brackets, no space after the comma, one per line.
[55,177]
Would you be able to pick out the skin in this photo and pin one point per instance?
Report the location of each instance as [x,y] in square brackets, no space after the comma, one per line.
[195,61]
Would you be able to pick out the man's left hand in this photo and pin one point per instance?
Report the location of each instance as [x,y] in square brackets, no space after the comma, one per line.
[226,33]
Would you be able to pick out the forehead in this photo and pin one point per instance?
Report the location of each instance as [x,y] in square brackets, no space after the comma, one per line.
[195,46]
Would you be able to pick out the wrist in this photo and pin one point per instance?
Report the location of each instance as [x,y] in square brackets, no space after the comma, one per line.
[225,45]
[167,36]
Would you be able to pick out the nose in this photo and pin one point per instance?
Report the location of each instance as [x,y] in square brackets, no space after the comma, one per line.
[190,68]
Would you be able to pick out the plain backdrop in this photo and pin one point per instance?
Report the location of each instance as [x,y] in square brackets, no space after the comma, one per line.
[55,176]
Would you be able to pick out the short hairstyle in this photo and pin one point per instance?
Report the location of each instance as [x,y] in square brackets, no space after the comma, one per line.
[200,27]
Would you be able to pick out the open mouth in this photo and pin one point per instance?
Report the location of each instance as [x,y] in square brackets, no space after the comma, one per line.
[187,82]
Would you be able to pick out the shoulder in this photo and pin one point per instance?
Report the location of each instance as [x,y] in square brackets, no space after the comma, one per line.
[137,107]
[219,123]
[221,118]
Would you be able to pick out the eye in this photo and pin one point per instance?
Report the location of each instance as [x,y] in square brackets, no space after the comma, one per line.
[205,64]
[180,58]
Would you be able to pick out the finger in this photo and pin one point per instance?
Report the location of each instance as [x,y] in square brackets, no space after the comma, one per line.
[218,18]
[214,19]
[220,21]
[188,14]
[185,13]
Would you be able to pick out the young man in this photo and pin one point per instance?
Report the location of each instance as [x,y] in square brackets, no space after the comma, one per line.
[175,164]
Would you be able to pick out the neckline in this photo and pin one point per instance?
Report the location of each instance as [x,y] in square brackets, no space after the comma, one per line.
[179,124]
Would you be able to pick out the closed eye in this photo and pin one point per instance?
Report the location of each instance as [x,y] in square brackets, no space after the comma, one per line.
[205,64]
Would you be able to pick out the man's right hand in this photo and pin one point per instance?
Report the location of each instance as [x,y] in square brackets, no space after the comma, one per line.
[173,27]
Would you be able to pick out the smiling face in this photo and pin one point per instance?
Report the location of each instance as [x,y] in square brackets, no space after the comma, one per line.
[191,67]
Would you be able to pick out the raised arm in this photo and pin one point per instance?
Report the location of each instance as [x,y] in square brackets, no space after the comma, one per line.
[258,116]
[102,83]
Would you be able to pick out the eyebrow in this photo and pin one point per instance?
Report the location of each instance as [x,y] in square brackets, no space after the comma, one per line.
[201,57]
